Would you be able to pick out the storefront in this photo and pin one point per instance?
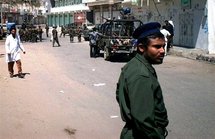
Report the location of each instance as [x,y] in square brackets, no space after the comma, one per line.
[67,14]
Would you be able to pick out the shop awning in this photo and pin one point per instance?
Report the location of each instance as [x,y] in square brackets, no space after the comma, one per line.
[71,8]
[102,2]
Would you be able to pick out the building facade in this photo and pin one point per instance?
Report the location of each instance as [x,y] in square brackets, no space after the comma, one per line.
[103,10]
[193,20]
[65,12]
[20,13]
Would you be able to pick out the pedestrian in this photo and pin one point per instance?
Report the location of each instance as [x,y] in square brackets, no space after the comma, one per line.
[13,46]
[167,35]
[62,31]
[55,36]
[170,27]
[93,41]
[47,30]
[71,34]
[138,91]
[79,31]
[40,33]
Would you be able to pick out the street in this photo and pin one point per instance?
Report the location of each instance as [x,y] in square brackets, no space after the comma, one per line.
[68,95]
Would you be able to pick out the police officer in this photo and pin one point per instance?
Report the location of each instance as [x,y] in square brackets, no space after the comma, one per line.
[138,91]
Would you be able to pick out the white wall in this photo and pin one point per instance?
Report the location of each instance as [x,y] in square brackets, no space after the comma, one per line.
[211,26]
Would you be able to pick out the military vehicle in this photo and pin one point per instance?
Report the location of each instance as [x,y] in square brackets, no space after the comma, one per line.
[115,36]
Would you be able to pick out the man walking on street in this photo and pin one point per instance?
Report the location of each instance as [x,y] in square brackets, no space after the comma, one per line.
[55,36]
[138,91]
[40,33]
[93,41]
[47,30]
[62,31]
[13,46]
[71,34]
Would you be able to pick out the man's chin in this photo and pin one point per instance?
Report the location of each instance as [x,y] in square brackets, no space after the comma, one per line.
[160,61]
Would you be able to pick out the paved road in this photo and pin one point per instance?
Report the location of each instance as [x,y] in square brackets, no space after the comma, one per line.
[67,94]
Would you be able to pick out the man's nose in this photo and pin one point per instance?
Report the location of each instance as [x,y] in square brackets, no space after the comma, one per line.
[162,50]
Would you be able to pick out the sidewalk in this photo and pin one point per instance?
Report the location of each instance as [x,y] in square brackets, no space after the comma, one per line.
[194,53]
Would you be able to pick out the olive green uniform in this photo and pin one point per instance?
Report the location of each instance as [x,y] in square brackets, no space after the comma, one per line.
[141,102]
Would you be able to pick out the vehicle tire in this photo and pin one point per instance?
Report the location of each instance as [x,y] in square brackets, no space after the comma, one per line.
[86,39]
[98,51]
[92,51]
[106,54]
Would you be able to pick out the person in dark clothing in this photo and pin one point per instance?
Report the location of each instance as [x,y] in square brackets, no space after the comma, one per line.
[47,30]
[55,36]
[71,34]
[40,33]
[62,31]
[79,32]
[93,41]
[138,91]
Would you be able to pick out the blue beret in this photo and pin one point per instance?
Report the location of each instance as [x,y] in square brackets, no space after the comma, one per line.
[146,30]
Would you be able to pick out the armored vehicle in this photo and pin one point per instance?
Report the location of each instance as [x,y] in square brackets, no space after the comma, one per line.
[116,37]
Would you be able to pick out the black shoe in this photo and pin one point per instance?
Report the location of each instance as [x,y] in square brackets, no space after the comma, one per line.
[11,75]
[20,75]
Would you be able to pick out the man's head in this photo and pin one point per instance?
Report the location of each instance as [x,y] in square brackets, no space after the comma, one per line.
[13,31]
[151,42]
[166,22]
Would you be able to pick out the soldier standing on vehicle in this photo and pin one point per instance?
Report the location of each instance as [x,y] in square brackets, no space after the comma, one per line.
[55,36]
[138,91]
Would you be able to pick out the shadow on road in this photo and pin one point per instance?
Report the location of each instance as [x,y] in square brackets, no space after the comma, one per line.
[23,74]
[120,58]
[2,55]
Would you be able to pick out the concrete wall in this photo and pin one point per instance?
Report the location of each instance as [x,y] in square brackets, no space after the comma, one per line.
[189,20]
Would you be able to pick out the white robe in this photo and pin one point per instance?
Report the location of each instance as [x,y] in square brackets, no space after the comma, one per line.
[13,47]
[166,34]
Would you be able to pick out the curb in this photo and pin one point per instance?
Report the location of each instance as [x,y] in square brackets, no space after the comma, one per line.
[195,54]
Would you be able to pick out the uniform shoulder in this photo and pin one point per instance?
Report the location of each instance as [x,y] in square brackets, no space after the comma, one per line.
[135,69]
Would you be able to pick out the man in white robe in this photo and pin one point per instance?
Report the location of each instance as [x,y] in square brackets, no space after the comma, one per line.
[13,47]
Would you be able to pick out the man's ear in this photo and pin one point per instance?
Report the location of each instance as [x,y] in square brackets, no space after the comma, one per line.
[141,47]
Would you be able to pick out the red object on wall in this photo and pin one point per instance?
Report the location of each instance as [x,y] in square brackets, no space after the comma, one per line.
[79,18]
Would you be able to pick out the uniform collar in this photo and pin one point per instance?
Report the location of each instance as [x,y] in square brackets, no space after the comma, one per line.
[143,60]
